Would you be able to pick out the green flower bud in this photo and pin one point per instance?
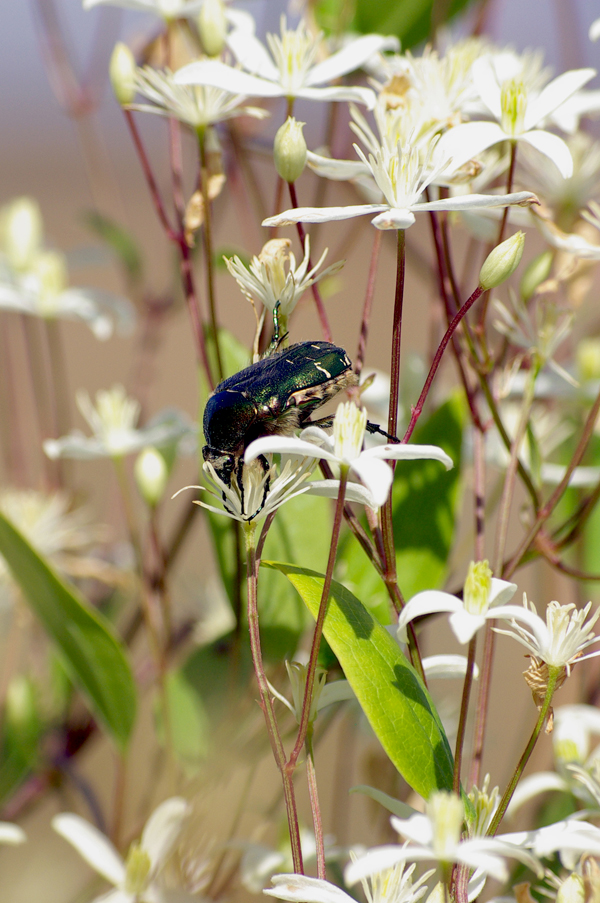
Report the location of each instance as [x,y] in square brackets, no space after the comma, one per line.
[572,890]
[502,262]
[21,231]
[212,26]
[122,71]
[151,475]
[535,273]
[289,150]
[587,357]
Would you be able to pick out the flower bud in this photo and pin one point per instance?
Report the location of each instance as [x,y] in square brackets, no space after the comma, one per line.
[212,26]
[502,262]
[122,71]
[151,474]
[22,229]
[535,273]
[289,150]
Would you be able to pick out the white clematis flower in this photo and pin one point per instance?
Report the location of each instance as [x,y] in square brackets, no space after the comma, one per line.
[344,449]
[484,599]
[561,639]
[287,68]
[11,834]
[519,112]
[437,836]
[113,420]
[134,879]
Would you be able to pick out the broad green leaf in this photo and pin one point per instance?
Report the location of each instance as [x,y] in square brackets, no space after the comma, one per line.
[425,498]
[391,694]
[93,656]
[409,20]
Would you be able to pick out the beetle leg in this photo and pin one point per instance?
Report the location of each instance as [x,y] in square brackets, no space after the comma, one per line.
[327,422]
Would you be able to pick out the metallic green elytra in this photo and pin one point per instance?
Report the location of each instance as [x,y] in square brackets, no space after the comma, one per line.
[274,396]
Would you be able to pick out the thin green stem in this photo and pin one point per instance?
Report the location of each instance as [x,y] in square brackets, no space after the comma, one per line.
[208,251]
[554,673]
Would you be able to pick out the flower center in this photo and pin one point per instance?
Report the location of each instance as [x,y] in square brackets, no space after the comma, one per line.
[137,870]
[513,103]
[477,588]
[446,813]
[349,431]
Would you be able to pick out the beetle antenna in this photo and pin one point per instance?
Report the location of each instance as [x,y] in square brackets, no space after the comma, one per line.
[277,338]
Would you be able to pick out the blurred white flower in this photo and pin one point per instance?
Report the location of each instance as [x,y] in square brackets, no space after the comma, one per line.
[34,280]
[518,111]
[113,420]
[195,105]
[11,834]
[287,68]
[166,9]
[135,877]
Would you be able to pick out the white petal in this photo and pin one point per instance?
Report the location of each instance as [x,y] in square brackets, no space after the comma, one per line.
[285,445]
[404,451]
[464,142]
[355,492]
[252,54]
[340,92]
[465,625]
[163,828]
[554,94]
[92,845]
[533,785]
[594,32]
[501,592]
[378,860]
[321,214]
[350,58]
[394,218]
[12,834]
[217,74]
[447,666]
[486,83]
[376,475]
[474,201]
[338,170]
[425,603]
[552,147]
[490,863]
[299,888]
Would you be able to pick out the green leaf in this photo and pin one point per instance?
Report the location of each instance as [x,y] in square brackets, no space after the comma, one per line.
[391,694]
[425,499]
[188,721]
[93,655]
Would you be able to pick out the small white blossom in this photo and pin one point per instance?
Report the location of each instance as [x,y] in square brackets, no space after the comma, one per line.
[344,449]
[560,640]
[11,834]
[394,885]
[113,420]
[195,105]
[287,68]
[437,836]
[467,615]
[274,276]
[519,112]
[135,877]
